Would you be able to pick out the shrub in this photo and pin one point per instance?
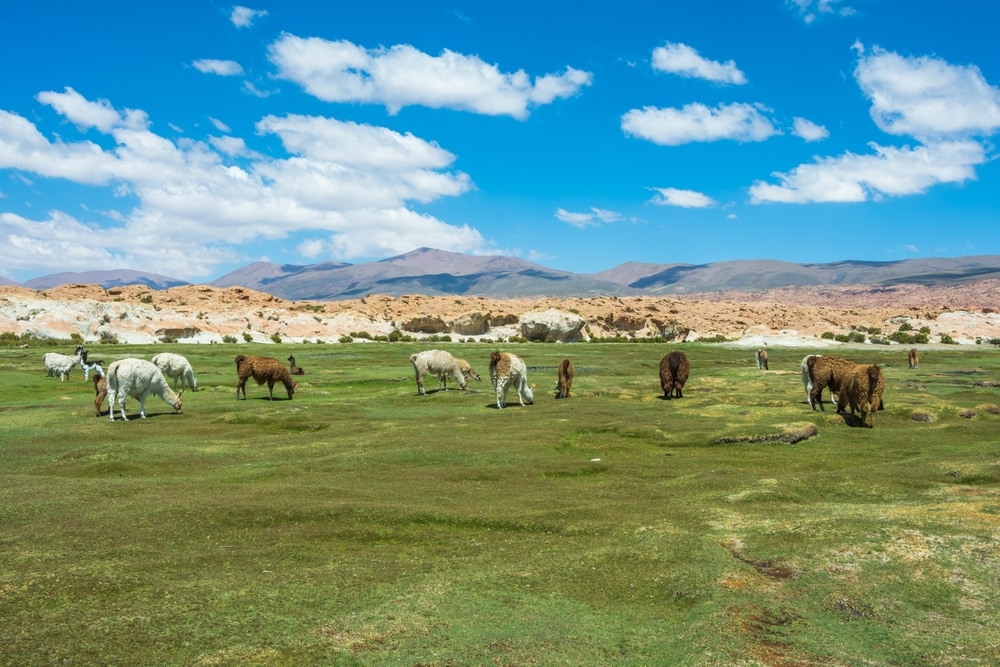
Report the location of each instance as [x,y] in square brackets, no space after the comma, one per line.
[395,335]
[108,338]
[828,335]
[247,337]
[925,330]
[906,326]
[276,337]
[228,339]
[841,338]
[345,339]
[909,339]
[947,340]
[360,334]
[146,298]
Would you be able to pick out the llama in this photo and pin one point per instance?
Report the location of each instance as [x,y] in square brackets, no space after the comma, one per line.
[914,357]
[88,365]
[825,371]
[674,370]
[177,367]
[437,363]
[467,371]
[806,381]
[508,369]
[761,357]
[292,368]
[862,389]
[60,364]
[565,378]
[100,388]
[262,369]
[137,378]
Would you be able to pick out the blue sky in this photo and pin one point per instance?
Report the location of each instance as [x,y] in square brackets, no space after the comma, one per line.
[190,138]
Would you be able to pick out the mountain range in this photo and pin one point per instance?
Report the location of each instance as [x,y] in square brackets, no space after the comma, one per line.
[436,273]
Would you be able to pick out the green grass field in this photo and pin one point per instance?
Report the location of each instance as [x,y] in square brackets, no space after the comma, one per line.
[363,524]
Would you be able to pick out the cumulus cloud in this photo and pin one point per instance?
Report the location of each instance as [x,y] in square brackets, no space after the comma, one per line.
[927,97]
[340,71]
[697,122]
[345,190]
[889,171]
[944,107]
[220,67]
[683,60]
[594,218]
[242,17]
[681,198]
[810,10]
[80,111]
[808,130]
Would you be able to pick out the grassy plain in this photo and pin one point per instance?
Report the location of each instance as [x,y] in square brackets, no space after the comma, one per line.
[362,524]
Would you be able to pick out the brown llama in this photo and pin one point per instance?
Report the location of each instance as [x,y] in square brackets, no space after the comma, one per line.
[262,369]
[674,369]
[914,357]
[862,389]
[565,382]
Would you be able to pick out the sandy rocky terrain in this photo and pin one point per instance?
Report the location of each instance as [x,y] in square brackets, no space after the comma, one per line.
[793,317]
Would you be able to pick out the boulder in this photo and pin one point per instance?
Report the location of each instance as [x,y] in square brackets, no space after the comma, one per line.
[471,324]
[551,325]
[428,324]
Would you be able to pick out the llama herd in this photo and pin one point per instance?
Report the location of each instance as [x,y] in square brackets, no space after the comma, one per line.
[858,387]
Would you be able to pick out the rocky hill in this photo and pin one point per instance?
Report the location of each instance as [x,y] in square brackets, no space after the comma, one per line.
[439,273]
[786,316]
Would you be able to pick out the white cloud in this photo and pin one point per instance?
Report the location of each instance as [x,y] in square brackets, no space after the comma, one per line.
[927,97]
[220,67]
[811,9]
[233,146]
[594,218]
[219,125]
[889,171]
[681,198]
[683,60]
[311,248]
[255,91]
[606,216]
[194,203]
[911,248]
[696,122]
[242,17]
[943,106]
[80,111]
[403,76]
[808,130]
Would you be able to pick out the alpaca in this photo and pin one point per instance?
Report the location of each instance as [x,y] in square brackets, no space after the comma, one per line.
[437,363]
[674,370]
[262,369]
[60,364]
[508,369]
[177,367]
[862,389]
[140,379]
[565,379]
[825,371]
